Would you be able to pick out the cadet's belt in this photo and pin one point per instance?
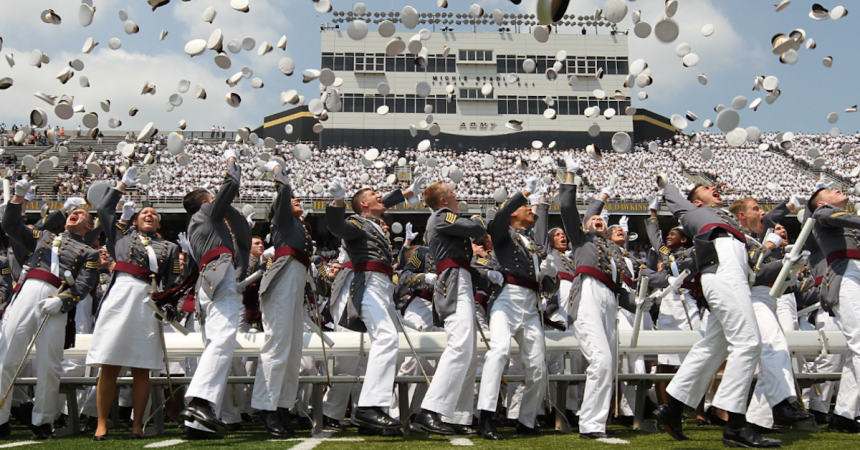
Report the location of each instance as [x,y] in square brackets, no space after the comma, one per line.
[450,263]
[300,256]
[627,280]
[818,280]
[136,271]
[732,231]
[374,266]
[525,282]
[347,265]
[425,294]
[842,254]
[212,255]
[597,275]
[481,298]
[566,276]
[44,275]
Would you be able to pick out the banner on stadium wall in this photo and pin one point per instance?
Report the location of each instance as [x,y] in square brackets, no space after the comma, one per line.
[618,208]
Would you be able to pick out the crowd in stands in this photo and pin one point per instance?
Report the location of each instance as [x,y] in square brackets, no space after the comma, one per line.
[768,169]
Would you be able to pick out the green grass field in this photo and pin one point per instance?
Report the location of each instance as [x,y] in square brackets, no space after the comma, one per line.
[703,437]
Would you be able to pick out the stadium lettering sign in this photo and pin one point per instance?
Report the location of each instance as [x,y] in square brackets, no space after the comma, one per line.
[482,126]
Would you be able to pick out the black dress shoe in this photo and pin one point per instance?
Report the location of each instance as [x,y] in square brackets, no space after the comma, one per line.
[193,434]
[762,430]
[463,430]
[23,413]
[286,420]
[62,421]
[246,418]
[572,419]
[199,410]
[233,427]
[90,424]
[715,419]
[748,437]
[43,432]
[331,424]
[787,413]
[374,417]
[272,423]
[487,425]
[670,422]
[594,435]
[526,431]
[5,430]
[373,431]
[103,437]
[843,425]
[137,437]
[820,417]
[429,422]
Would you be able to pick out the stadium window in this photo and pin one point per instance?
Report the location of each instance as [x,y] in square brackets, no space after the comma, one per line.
[622,66]
[327,61]
[400,64]
[410,105]
[389,64]
[462,54]
[399,104]
[590,65]
[431,64]
[349,63]
[502,107]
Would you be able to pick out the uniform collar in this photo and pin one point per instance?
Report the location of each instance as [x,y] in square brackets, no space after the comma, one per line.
[74,236]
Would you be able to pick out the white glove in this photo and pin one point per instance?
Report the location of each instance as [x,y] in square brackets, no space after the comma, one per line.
[798,201]
[73,202]
[51,305]
[410,235]
[341,256]
[417,186]
[572,166]
[496,277]
[610,189]
[798,262]
[654,203]
[623,223]
[31,194]
[430,278]
[822,182]
[250,216]
[305,213]
[547,268]
[774,239]
[534,199]
[183,242]
[269,253]
[129,178]
[230,153]
[336,189]
[531,184]
[271,165]
[22,188]
[127,211]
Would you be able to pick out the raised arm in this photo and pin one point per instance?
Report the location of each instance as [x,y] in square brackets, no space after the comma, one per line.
[569,214]
[542,226]
[107,216]
[282,208]
[825,216]
[775,216]
[14,227]
[228,192]
[677,203]
[502,223]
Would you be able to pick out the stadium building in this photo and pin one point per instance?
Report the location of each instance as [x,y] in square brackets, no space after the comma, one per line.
[458,67]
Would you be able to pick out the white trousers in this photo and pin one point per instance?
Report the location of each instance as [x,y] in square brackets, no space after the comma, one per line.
[337,397]
[221,321]
[20,323]
[595,329]
[819,397]
[514,314]
[786,312]
[635,363]
[847,313]
[776,375]
[731,322]
[282,305]
[450,393]
[384,342]
[77,367]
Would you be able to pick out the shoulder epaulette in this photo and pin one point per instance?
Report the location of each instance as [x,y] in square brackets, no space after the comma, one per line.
[395,279]
[841,213]
[354,222]
[6,271]
[414,260]
[664,250]
[450,217]
[37,234]
[483,261]
[92,265]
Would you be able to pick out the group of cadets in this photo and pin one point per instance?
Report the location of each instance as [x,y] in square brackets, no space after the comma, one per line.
[482,280]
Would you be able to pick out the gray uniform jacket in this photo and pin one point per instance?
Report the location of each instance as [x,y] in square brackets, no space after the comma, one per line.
[54,221]
[74,255]
[484,288]
[450,237]
[219,224]
[364,242]
[561,262]
[515,257]
[124,244]
[287,231]
[6,281]
[684,258]
[772,262]
[704,224]
[837,233]
[593,255]
[410,278]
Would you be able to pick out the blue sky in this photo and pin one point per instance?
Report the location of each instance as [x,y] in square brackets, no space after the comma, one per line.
[732,57]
